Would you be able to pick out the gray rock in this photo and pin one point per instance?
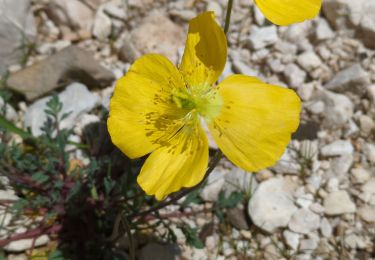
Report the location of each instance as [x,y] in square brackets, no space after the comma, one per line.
[288,163]
[70,64]
[271,205]
[366,124]
[215,7]
[326,228]
[76,99]
[17,257]
[371,92]
[102,25]
[367,213]
[237,218]
[360,175]
[343,14]
[341,166]
[369,151]
[261,37]
[309,244]
[215,182]
[297,32]
[10,113]
[367,24]
[24,244]
[369,186]
[151,37]
[72,13]
[294,75]
[338,202]
[338,108]
[17,28]
[354,241]
[337,148]
[239,180]
[184,14]
[128,52]
[8,195]
[291,239]
[115,10]
[309,60]
[352,79]
[323,30]
[304,221]
[159,252]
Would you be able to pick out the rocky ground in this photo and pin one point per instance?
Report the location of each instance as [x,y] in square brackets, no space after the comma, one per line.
[318,202]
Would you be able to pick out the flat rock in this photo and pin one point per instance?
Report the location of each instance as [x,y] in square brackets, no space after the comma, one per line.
[352,79]
[272,204]
[158,34]
[76,99]
[304,221]
[237,218]
[17,27]
[261,37]
[338,202]
[24,244]
[367,213]
[337,148]
[70,64]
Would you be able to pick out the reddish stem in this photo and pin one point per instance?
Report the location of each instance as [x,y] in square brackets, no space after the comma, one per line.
[33,233]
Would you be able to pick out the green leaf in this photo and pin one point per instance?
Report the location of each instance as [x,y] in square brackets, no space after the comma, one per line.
[56,255]
[234,199]
[192,198]
[191,235]
[39,177]
[73,191]
[94,193]
[14,129]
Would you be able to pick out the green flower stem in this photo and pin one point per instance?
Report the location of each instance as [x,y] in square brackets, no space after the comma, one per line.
[227,17]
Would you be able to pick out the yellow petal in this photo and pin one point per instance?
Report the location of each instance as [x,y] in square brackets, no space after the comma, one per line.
[256,121]
[205,51]
[142,113]
[285,12]
[183,163]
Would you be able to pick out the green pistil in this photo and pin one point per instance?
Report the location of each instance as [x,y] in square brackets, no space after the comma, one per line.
[201,99]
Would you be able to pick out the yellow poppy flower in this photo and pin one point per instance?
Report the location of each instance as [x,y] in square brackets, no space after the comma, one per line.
[285,12]
[156,108]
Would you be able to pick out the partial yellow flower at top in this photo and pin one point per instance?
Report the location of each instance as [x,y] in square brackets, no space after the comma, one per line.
[156,108]
[285,12]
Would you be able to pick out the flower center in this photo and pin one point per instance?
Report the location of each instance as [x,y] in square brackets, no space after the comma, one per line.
[202,99]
